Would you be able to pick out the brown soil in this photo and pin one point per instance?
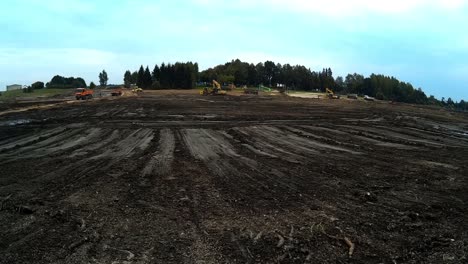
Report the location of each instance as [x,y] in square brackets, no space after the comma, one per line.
[174,177]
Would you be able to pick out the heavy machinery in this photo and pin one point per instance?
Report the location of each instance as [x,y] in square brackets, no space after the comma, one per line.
[83,94]
[331,94]
[214,90]
[264,88]
[137,90]
[117,92]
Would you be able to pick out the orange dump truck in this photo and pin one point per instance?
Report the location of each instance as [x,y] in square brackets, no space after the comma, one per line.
[117,92]
[83,94]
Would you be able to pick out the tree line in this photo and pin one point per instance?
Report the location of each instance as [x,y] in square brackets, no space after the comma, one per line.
[299,77]
[270,74]
[165,76]
[60,82]
[295,77]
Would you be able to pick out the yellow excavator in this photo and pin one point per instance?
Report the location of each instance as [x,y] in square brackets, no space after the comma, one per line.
[214,90]
[331,94]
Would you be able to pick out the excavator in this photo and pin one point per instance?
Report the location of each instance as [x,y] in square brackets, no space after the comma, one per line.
[214,90]
[331,94]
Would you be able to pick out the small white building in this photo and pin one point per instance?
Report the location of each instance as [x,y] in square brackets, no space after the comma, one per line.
[14,87]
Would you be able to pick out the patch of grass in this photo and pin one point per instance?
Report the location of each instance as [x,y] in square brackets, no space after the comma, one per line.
[11,95]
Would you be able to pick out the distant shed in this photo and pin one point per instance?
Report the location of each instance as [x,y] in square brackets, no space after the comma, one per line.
[14,87]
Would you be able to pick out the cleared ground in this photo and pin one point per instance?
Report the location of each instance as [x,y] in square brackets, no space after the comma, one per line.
[174,177]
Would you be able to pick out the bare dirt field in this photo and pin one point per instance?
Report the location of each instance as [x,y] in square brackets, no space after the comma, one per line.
[174,177]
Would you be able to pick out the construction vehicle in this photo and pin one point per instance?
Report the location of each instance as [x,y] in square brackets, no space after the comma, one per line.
[83,94]
[214,90]
[117,92]
[137,90]
[331,94]
[264,88]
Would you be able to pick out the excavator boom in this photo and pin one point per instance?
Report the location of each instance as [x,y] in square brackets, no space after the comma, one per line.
[215,90]
[331,94]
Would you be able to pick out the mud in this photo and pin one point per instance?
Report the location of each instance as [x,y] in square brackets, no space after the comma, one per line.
[171,177]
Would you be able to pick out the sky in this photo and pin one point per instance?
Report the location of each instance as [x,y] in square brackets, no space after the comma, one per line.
[424,42]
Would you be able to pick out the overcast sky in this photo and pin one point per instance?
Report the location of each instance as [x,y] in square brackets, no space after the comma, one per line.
[424,42]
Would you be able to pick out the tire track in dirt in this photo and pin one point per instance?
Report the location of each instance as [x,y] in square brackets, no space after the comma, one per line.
[50,140]
[82,139]
[200,200]
[433,137]
[92,146]
[264,147]
[28,140]
[394,136]
[278,171]
[355,139]
[209,146]
[98,182]
[74,141]
[161,161]
[137,140]
[272,140]
[320,145]
[214,149]
[166,211]
[100,158]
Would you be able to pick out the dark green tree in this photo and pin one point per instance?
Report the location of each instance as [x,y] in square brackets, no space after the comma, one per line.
[103,78]
[156,74]
[28,89]
[61,82]
[450,102]
[269,72]
[92,85]
[251,75]
[37,85]
[147,80]
[127,79]
[141,76]
[134,77]
[339,84]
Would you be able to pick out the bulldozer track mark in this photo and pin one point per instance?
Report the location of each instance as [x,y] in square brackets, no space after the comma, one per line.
[27,140]
[52,140]
[262,144]
[437,138]
[320,145]
[138,140]
[161,161]
[273,137]
[93,146]
[394,136]
[214,149]
[85,138]
[216,153]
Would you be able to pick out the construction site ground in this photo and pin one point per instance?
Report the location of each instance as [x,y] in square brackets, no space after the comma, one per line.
[175,177]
